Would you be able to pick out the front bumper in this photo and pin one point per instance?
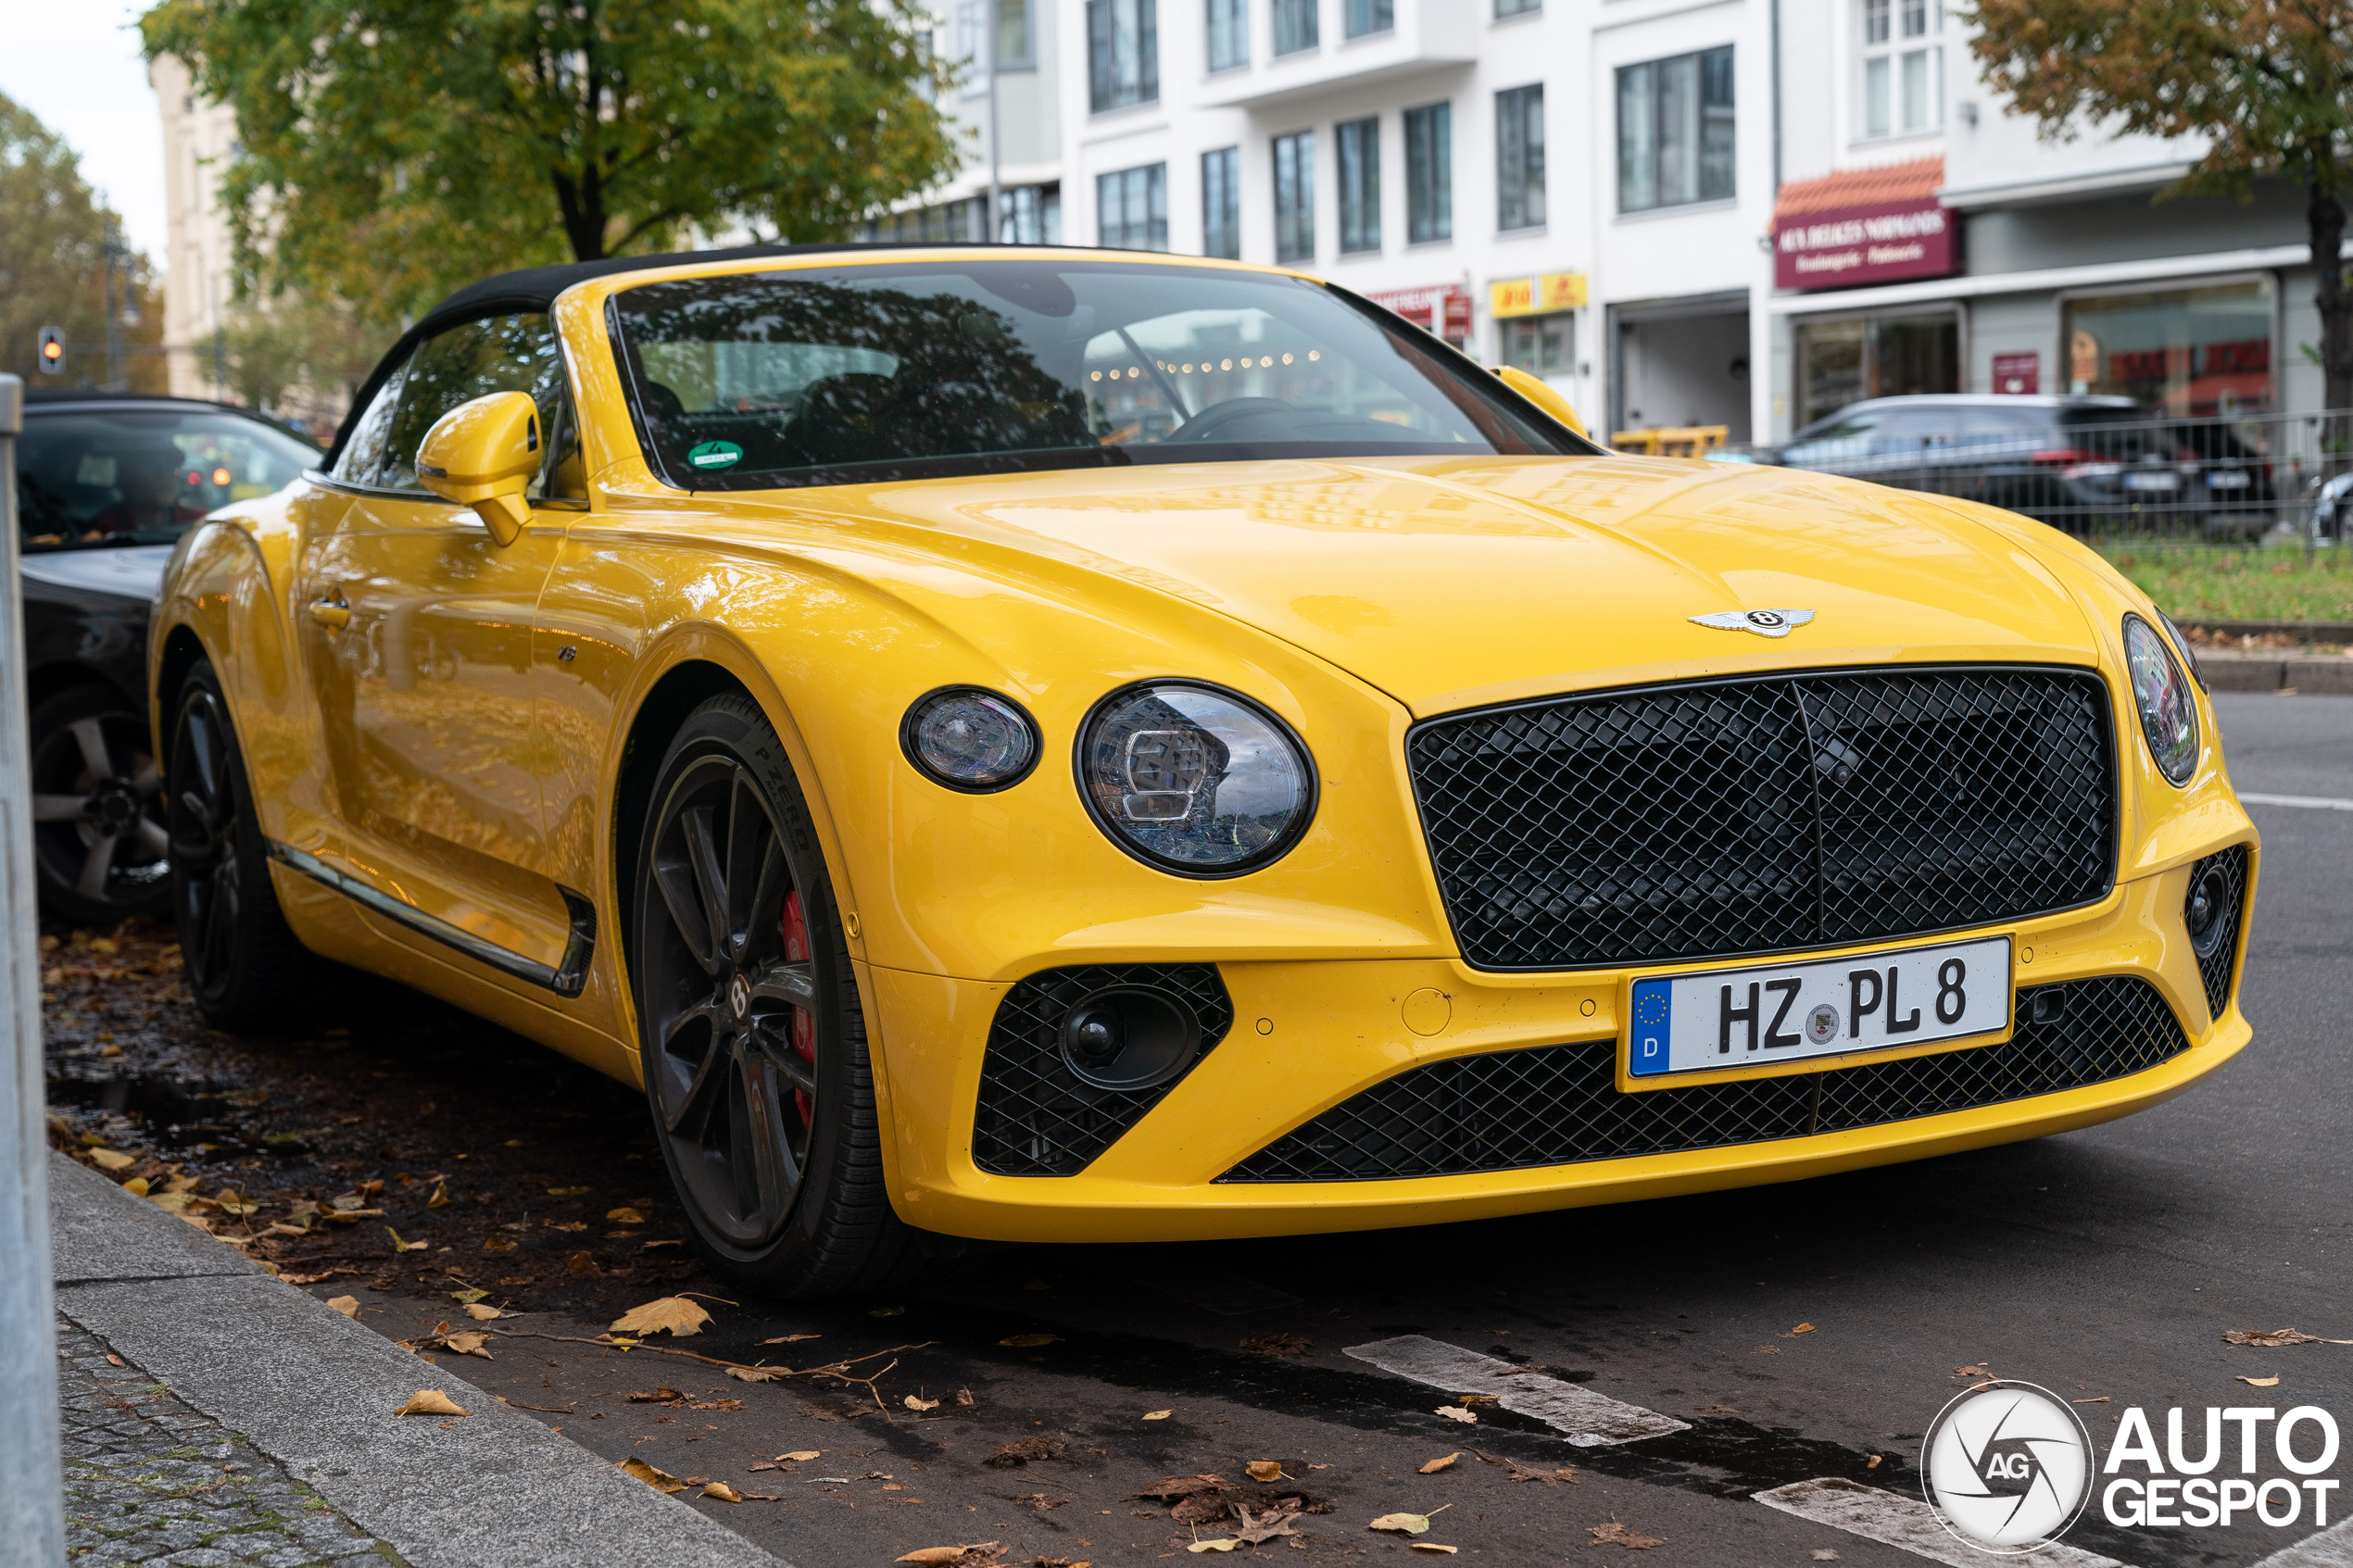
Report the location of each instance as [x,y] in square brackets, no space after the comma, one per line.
[1309,1035]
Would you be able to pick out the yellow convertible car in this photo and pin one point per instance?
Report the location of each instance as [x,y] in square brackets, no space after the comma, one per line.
[1059,744]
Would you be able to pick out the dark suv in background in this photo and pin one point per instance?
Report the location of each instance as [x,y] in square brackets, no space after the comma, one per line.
[105,484]
[2087,464]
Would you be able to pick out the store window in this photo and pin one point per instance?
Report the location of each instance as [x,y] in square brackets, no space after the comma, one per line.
[1519,158]
[1359,184]
[2203,351]
[1295,197]
[1221,203]
[1902,69]
[1543,345]
[1429,174]
[1228,34]
[1123,53]
[1844,362]
[1675,131]
[1367,17]
[1295,26]
[1131,209]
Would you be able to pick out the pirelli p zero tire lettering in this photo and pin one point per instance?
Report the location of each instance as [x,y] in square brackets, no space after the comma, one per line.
[249,973]
[753,1039]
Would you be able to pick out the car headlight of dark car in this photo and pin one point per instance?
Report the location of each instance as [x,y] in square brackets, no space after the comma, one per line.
[1194,779]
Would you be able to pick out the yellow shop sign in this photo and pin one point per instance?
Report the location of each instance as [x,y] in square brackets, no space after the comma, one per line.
[1530,296]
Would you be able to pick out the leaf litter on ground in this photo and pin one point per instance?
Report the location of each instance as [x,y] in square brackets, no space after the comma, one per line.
[1513,1470]
[2272,1338]
[674,1315]
[430,1401]
[1408,1524]
[1615,1534]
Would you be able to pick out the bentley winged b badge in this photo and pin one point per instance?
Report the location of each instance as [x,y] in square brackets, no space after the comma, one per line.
[1764,622]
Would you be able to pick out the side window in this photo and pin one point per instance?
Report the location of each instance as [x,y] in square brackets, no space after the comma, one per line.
[565,475]
[499,353]
[363,454]
[1833,441]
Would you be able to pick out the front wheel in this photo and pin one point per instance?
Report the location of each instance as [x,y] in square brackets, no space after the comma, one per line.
[98,830]
[754,1040]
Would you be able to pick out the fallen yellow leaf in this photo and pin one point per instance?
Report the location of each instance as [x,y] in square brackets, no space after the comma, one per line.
[1158,1415]
[799,1456]
[1265,1469]
[660,1480]
[912,1403]
[481,1313]
[1226,1544]
[347,1305]
[137,1184]
[1456,1413]
[468,1344]
[468,1296]
[723,1491]
[1803,1328]
[947,1553]
[1433,1546]
[1434,1466]
[624,1216]
[758,1373]
[1029,1341]
[440,1199]
[229,1202]
[566,1192]
[107,1159]
[429,1402]
[1407,1524]
[2261,1382]
[675,1314]
[400,1246]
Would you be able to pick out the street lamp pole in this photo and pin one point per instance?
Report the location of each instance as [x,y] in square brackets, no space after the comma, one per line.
[32,1473]
[991,22]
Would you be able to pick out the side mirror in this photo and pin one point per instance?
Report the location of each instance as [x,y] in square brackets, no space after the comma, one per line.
[481,455]
[1542,394]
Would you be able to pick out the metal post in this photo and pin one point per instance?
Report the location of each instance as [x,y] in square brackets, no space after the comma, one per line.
[990,22]
[32,1478]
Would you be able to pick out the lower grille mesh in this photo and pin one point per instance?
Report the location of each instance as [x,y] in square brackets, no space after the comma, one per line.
[1559,1105]
[2215,968]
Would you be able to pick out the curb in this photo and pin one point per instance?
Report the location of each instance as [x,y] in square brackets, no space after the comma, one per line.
[315,1391]
[2258,672]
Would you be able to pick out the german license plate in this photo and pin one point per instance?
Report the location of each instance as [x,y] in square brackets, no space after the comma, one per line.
[1770,1013]
[2228,479]
[2152,482]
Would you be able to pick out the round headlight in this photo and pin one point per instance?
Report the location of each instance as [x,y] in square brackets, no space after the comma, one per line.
[1194,780]
[970,739]
[2168,713]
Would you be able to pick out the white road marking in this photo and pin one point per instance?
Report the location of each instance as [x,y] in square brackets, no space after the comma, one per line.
[2309,802]
[1904,1522]
[2332,1547]
[1582,1416]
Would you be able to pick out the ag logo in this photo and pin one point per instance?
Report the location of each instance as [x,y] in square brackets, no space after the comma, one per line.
[2008,1466]
[1764,622]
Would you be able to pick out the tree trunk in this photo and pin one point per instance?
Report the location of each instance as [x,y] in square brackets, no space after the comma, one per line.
[2325,214]
[582,204]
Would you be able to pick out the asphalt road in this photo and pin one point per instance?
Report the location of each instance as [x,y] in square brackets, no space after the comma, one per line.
[2105,1264]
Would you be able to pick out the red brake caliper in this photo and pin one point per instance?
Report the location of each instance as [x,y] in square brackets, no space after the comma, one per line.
[804,1023]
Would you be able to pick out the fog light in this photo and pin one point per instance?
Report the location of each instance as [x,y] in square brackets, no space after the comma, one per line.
[1130,1037]
[2208,911]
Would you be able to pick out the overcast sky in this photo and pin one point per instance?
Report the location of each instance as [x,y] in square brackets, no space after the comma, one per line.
[76,64]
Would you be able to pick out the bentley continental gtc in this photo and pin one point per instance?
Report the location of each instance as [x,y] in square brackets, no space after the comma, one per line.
[1028,744]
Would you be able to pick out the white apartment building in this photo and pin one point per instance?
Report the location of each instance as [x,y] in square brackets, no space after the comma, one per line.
[199,136]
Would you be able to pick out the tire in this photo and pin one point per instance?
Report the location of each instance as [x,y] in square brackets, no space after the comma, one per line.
[751,1033]
[99,832]
[249,973]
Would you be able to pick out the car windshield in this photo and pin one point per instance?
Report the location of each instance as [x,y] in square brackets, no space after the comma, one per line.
[91,476]
[932,368]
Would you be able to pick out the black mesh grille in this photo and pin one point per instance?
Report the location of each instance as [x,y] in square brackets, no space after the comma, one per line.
[1036,1119]
[1559,1105]
[2215,967]
[1759,816]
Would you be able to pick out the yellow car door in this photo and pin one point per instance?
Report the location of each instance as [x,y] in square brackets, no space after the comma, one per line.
[418,636]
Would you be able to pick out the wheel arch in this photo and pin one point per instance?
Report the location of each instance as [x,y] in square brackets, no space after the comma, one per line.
[182,649]
[679,691]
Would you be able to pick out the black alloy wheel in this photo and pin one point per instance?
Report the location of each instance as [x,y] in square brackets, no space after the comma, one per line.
[249,973]
[754,1040]
[99,832]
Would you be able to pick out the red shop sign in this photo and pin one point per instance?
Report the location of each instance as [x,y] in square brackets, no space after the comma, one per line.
[1443,309]
[1864,244]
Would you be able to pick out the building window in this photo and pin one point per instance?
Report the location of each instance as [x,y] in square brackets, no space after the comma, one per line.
[1123,53]
[972,47]
[1131,209]
[1228,34]
[1359,184]
[1221,203]
[956,222]
[1543,345]
[1429,174]
[1295,197]
[1903,72]
[1675,131]
[1518,7]
[2194,353]
[1295,26]
[1030,215]
[1016,37]
[1366,16]
[1519,158]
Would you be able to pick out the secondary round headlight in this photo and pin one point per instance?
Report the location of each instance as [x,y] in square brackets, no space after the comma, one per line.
[1194,780]
[970,739]
[2168,713]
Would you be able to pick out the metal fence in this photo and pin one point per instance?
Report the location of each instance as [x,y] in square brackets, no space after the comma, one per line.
[2275,479]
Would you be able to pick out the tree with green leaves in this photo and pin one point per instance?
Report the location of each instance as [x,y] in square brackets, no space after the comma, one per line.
[393,149]
[2267,85]
[54,232]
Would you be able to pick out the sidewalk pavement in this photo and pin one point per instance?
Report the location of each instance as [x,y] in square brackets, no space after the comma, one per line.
[253,1396]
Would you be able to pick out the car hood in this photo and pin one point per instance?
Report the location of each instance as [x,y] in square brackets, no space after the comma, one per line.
[1452,582]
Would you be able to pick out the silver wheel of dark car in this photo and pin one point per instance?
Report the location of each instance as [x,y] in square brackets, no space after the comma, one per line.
[732,1075]
[99,834]
[752,1037]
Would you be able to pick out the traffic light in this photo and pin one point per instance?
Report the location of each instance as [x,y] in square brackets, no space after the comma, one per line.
[52,351]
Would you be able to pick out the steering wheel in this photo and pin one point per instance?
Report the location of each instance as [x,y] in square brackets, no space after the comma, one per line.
[1204,425]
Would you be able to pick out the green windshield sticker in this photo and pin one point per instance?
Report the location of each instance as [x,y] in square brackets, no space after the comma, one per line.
[716,455]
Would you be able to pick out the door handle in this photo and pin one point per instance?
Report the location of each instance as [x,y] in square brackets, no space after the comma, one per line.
[334,614]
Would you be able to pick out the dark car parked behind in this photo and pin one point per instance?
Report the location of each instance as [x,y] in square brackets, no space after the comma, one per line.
[2088,465]
[106,482]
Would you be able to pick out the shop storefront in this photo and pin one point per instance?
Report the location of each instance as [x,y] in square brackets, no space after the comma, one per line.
[2191,352]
